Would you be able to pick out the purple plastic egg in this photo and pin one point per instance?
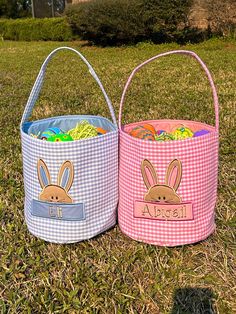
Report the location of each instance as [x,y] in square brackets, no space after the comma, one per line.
[201,132]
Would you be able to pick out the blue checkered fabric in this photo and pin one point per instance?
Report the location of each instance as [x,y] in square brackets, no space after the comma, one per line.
[95,183]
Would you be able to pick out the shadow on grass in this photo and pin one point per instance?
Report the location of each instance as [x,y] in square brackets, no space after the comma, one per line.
[193,301]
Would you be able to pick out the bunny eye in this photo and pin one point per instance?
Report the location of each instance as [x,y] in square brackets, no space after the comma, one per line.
[56,197]
[159,197]
[164,197]
[52,197]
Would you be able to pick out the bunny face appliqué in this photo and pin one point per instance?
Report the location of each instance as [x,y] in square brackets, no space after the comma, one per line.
[162,193]
[57,193]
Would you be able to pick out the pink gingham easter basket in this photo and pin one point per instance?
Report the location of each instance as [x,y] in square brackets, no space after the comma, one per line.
[182,173]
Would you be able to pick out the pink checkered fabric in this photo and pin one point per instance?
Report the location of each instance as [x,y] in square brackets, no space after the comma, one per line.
[199,158]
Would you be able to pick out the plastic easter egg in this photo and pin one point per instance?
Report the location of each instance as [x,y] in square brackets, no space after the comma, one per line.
[136,130]
[142,133]
[50,132]
[200,133]
[149,127]
[60,138]
[101,131]
[182,133]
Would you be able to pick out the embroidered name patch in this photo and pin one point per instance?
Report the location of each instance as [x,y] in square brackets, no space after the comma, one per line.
[60,211]
[176,212]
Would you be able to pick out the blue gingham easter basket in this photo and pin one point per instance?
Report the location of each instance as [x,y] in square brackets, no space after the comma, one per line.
[83,172]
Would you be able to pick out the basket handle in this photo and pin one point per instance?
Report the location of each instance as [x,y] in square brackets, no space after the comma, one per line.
[39,82]
[185,52]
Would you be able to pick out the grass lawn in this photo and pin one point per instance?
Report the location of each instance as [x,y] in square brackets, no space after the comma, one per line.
[112,273]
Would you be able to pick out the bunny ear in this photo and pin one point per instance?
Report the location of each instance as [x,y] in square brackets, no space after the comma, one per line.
[174,174]
[149,173]
[43,173]
[66,175]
